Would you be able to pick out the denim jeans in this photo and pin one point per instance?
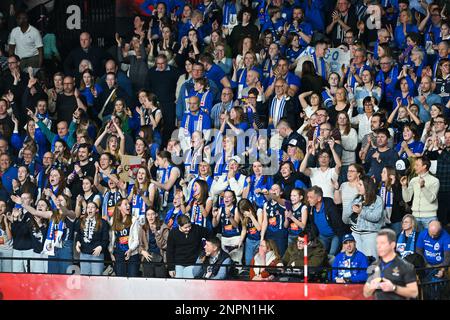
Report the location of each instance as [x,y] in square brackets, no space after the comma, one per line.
[21,265]
[250,250]
[182,272]
[331,244]
[92,268]
[39,266]
[125,268]
[5,263]
[66,253]
[367,243]
[422,223]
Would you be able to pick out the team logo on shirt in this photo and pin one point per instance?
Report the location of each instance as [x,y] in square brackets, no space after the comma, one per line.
[436,246]
[396,272]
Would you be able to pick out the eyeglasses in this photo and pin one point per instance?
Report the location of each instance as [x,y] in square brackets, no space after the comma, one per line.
[439,122]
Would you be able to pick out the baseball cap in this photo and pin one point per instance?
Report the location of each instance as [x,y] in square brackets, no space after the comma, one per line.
[294,143]
[401,166]
[348,237]
[236,158]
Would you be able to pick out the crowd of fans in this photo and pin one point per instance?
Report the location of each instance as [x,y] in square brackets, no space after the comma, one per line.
[246,140]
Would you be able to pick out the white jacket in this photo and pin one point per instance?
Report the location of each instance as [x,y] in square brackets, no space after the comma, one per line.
[133,238]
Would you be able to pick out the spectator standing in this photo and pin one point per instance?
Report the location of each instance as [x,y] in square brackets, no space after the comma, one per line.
[86,51]
[26,42]
[183,247]
[326,219]
[424,188]
[367,212]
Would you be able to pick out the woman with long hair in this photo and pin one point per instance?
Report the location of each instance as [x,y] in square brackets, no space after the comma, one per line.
[203,173]
[342,103]
[200,205]
[125,115]
[349,140]
[411,146]
[390,190]
[62,156]
[367,210]
[235,122]
[429,131]
[124,243]
[88,88]
[32,136]
[153,243]
[114,145]
[401,116]
[295,155]
[138,194]
[89,193]
[347,191]
[56,185]
[59,238]
[204,94]
[296,214]
[310,80]
[290,178]
[329,92]
[273,226]
[246,45]
[406,89]
[187,75]
[265,261]
[366,88]
[92,240]
[405,27]
[112,193]
[164,187]
[251,221]
[256,184]
[240,71]
[151,114]
[227,217]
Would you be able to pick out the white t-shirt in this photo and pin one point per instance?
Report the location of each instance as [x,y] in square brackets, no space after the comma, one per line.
[27,43]
[323,179]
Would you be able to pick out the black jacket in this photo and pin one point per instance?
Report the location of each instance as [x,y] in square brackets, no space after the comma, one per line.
[215,267]
[184,249]
[99,238]
[21,233]
[291,111]
[334,218]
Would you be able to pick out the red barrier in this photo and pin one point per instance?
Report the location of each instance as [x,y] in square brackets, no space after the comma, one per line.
[65,287]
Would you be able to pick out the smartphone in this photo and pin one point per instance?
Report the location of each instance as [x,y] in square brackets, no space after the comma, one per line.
[288,206]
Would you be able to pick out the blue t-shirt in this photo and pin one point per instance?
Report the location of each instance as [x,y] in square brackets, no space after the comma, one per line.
[216,74]
[415,147]
[321,222]
[433,249]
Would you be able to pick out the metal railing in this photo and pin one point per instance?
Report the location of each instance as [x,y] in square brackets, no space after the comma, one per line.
[430,288]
